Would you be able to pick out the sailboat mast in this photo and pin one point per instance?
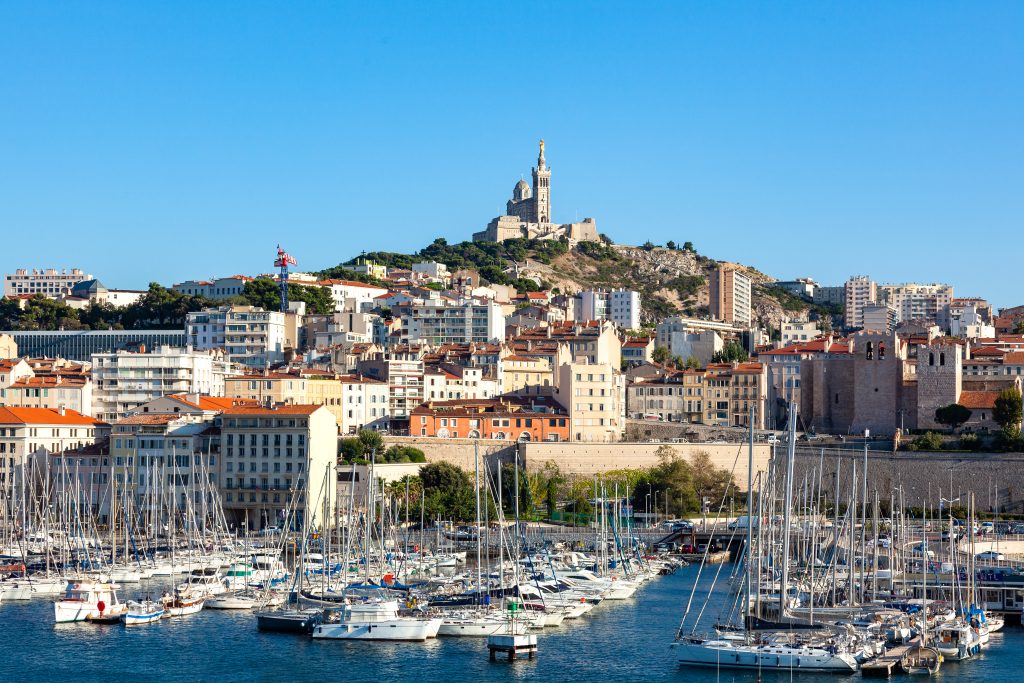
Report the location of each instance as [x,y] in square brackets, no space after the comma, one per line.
[788,502]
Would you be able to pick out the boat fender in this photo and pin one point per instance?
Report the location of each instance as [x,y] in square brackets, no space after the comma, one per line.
[101,605]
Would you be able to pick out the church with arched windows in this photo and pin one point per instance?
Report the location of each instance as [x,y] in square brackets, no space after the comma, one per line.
[528,213]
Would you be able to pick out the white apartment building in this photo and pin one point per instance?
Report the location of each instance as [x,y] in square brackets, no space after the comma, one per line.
[440,320]
[403,379]
[350,295]
[364,404]
[883,317]
[620,306]
[448,382]
[432,271]
[123,381]
[799,331]
[916,302]
[860,291]
[50,391]
[248,335]
[49,282]
[218,288]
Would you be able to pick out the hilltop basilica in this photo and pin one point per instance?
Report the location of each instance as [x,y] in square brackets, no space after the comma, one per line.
[528,213]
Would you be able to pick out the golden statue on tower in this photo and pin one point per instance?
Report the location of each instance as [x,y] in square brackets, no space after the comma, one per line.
[542,146]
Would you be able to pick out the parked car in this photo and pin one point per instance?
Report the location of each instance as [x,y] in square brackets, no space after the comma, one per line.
[991,555]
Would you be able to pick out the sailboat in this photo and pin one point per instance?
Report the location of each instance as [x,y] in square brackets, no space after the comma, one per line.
[811,651]
[922,659]
[142,612]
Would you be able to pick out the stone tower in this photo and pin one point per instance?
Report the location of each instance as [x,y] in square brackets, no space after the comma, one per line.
[939,380]
[541,189]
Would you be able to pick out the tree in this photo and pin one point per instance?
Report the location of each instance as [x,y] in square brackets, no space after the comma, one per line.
[731,351]
[688,246]
[661,355]
[266,294]
[692,363]
[952,415]
[1007,410]
[670,245]
[648,246]
[1018,327]
[404,454]
[371,441]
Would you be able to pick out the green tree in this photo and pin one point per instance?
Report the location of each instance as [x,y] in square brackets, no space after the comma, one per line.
[670,245]
[1018,327]
[731,351]
[688,246]
[661,355]
[400,454]
[1007,410]
[371,441]
[952,415]
[692,363]
[266,294]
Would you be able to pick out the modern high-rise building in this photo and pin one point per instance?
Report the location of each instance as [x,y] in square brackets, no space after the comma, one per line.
[731,296]
[860,291]
[439,320]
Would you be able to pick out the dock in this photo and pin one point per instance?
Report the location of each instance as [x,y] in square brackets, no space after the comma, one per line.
[883,665]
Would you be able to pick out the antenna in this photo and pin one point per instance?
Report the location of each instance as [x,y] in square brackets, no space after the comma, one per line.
[282,262]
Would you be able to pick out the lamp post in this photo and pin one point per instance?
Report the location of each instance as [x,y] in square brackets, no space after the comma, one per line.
[655,508]
[647,508]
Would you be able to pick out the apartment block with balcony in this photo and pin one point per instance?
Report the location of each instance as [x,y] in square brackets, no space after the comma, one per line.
[594,397]
[440,320]
[249,335]
[270,456]
[731,296]
[123,380]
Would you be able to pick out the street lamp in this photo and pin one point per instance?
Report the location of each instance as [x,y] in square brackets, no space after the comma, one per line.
[655,508]
[647,508]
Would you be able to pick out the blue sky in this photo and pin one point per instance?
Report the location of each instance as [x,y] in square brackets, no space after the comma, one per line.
[165,141]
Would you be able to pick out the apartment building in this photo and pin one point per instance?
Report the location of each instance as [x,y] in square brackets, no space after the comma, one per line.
[731,296]
[860,292]
[216,289]
[53,392]
[594,397]
[668,397]
[48,282]
[798,331]
[527,375]
[403,377]
[124,380]
[350,295]
[619,306]
[442,320]
[723,394]
[26,432]
[501,418]
[268,388]
[451,381]
[917,302]
[249,335]
[269,456]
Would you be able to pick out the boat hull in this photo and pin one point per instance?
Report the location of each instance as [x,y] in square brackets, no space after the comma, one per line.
[395,629]
[768,657]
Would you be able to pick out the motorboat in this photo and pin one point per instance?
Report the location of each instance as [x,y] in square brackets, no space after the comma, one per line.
[232,601]
[203,582]
[377,620]
[288,621]
[142,612]
[179,605]
[86,599]
[957,641]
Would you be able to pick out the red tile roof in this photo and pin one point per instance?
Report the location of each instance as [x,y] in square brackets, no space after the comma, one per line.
[45,416]
[213,402]
[976,400]
[279,410]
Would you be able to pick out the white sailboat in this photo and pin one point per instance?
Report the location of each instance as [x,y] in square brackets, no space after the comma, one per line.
[377,620]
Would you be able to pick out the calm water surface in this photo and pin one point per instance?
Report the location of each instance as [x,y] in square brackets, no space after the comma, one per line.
[618,641]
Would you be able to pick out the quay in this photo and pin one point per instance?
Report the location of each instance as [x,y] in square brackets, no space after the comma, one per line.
[883,665]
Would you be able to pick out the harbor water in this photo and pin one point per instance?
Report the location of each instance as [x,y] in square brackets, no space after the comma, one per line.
[620,641]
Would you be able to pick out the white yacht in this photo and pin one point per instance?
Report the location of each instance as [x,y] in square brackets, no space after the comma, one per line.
[377,620]
[770,653]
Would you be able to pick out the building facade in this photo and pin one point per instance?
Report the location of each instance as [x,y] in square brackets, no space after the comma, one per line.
[620,306]
[48,282]
[860,291]
[731,296]
[249,335]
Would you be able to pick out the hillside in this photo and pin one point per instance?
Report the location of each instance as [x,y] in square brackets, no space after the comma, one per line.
[672,281]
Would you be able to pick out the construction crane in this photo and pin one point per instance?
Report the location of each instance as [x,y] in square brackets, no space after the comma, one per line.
[282,262]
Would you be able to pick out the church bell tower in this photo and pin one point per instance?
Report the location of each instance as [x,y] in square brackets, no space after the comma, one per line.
[542,188]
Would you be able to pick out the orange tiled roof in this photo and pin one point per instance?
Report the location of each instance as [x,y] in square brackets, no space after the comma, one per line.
[978,399]
[279,410]
[45,416]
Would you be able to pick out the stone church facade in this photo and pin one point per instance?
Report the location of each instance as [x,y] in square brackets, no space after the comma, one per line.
[528,213]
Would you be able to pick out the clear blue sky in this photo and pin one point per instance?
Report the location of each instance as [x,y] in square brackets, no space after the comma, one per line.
[164,141]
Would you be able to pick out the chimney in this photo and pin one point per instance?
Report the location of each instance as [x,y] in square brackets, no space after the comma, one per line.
[60,411]
[268,402]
